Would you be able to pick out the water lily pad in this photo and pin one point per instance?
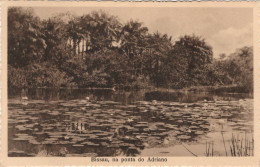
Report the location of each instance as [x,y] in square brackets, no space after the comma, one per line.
[199,132]
[78,145]
[184,137]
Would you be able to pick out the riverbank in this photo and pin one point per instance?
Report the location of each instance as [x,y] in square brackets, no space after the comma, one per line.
[217,89]
[211,89]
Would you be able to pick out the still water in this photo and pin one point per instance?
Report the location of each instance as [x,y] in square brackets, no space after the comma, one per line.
[82,122]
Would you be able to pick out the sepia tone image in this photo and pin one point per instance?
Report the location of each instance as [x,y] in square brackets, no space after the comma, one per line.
[105,82]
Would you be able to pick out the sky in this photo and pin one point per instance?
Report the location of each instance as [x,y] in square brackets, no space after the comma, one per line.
[225,29]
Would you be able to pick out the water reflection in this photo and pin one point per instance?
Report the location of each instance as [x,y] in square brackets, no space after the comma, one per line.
[64,123]
[124,97]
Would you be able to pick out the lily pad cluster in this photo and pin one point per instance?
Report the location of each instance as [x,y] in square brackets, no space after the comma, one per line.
[108,128]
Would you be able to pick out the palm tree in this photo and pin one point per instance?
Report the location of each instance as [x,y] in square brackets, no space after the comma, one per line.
[133,44]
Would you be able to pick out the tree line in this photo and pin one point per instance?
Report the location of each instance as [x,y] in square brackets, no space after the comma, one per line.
[97,50]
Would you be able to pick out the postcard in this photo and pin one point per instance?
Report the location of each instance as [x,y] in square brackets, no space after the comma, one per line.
[130,83]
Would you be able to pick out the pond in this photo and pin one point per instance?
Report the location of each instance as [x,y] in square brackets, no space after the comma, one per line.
[102,122]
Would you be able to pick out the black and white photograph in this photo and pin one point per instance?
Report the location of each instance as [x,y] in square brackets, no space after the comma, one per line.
[130,82]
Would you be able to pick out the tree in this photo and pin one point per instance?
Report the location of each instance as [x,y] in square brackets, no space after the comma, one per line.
[25,40]
[96,50]
[133,44]
[193,55]
[56,38]
[158,48]
[240,67]
[99,30]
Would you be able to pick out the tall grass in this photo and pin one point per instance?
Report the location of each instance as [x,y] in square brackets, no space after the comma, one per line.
[222,134]
[241,146]
[210,149]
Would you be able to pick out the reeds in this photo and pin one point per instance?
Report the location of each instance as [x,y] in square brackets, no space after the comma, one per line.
[210,149]
[241,146]
[224,142]
[238,146]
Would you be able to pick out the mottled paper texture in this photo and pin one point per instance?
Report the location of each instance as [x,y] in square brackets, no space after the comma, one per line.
[130,83]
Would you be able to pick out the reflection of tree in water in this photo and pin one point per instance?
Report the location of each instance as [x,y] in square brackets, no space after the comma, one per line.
[125,97]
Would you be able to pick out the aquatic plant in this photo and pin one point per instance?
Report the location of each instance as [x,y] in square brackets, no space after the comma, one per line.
[83,131]
[241,147]
[209,149]
[189,150]
[238,147]
[224,142]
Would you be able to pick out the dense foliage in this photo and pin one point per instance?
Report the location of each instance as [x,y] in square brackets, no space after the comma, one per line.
[96,50]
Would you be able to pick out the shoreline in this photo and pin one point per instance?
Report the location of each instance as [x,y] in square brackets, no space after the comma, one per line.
[234,89]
